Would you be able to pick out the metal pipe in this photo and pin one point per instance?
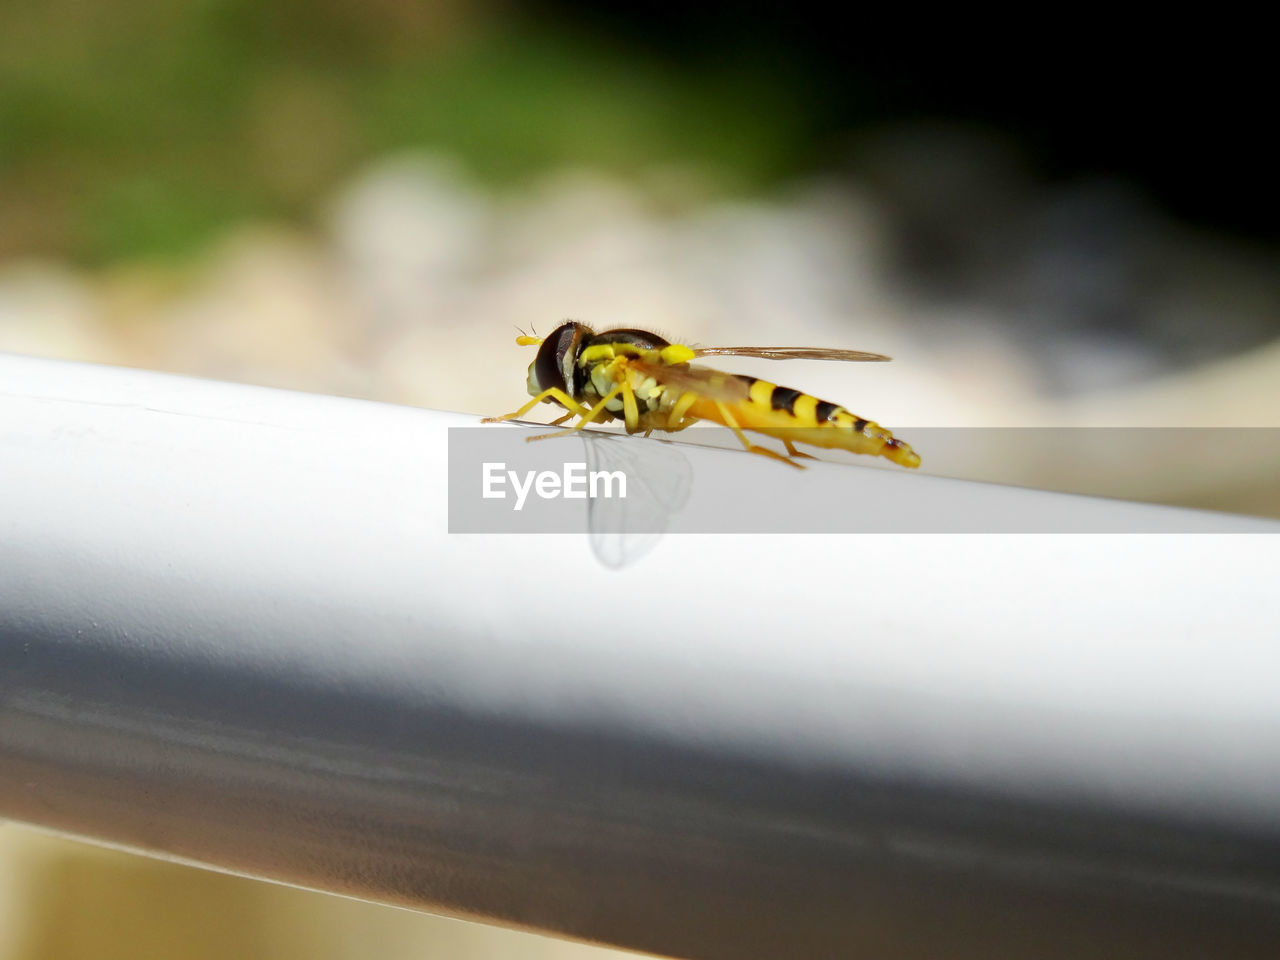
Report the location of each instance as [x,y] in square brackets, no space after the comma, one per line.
[235,629]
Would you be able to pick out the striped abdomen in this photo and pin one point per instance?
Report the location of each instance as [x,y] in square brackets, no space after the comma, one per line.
[802,418]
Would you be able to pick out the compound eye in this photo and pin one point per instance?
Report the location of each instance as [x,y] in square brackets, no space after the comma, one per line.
[548,367]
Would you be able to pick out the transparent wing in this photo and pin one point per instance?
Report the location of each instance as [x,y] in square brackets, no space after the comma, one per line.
[792,353]
[714,384]
[659,478]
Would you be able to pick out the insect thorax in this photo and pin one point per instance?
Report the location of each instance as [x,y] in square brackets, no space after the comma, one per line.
[603,375]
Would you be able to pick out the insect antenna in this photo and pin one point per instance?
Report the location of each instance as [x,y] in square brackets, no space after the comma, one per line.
[530,339]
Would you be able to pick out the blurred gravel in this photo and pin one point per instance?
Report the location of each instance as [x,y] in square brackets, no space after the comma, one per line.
[993,292]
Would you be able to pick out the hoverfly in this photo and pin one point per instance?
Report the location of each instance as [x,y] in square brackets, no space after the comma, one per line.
[649,384]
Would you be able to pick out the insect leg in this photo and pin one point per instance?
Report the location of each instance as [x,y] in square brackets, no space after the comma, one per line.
[679,409]
[587,416]
[555,393]
[732,424]
[796,453]
[630,412]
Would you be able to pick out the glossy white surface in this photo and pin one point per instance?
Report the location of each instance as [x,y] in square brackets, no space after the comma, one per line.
[280,564]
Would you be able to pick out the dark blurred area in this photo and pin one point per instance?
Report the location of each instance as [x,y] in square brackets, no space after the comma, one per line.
[1026,163]
[1180,108]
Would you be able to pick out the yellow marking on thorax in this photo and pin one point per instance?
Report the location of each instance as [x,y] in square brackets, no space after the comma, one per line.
[600,353]
[672,353]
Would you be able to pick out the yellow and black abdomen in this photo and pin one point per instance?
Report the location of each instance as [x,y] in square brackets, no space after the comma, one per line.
[802,418]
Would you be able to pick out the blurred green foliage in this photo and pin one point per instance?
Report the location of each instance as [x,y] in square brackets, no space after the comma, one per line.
[138,128]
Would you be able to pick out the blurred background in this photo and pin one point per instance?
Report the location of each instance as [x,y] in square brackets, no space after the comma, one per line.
[1057,224]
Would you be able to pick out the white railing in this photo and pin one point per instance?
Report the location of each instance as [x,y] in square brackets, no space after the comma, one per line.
[234,629]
